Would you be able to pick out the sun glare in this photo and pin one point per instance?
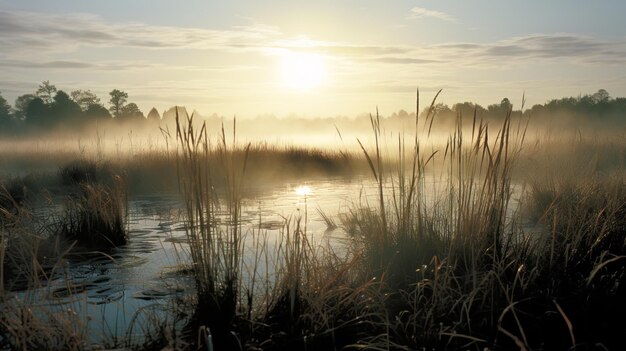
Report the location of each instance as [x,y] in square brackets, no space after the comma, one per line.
[303,71]
[303,190]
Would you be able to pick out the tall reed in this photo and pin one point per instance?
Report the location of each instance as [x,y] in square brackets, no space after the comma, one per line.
[441,249]
[215,247]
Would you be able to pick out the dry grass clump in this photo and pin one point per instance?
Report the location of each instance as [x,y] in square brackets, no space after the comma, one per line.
[95,211]
[30,325]
[29,257]
[95,218]
[579,258]
[80,171]
[27,251]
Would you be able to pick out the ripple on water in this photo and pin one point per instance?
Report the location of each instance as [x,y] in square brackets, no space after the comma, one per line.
[151,269]
[177,240]
[272,225]
[152,294]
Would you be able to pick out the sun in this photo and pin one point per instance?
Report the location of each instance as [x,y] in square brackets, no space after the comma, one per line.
[302,71]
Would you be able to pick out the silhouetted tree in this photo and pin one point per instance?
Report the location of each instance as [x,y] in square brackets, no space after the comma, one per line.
[63,108]
[46,91]
[117,101]
[131,112]
[466,109]
[85,98]
[171,113]
[6,120]
[97,112]
[505,104]
[153,115]
[442,108]
[21,105]
[500,110]
[601,96]
[37,113]
[5,108]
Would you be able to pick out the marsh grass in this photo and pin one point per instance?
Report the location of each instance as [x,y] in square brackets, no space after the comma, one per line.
[30,325]
[29,258]
[458,270]
[250,290]
[577,259]
[439,258]
[216,251]
[95,215]
[430,252]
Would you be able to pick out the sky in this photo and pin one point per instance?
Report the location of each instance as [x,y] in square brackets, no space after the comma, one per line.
[314,58]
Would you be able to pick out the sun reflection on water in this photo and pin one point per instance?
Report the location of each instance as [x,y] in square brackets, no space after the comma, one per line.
[303,190]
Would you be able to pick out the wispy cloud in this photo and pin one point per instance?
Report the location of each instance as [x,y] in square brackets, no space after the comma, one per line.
[76,65]
[564,48]
[53,36]
[561,47]
[420,12]
[28,31]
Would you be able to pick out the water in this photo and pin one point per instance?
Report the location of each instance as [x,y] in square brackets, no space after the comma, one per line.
[139,285]
[113,295]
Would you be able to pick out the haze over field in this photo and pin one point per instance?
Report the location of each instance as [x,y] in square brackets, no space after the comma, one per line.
[314,59]
[312,175]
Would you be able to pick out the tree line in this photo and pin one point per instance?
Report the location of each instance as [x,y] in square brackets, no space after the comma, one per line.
[49,107]
[596,107]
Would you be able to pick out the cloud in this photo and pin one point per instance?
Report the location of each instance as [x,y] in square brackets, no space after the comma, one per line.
[420,12]
[30,31]
[74,65]
[557,47]
[537,47]
[404,60]
[54,36]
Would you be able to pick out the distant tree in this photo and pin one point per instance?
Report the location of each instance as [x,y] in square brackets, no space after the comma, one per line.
[46,91]
[63,108]
[171,113]
[153,115]
[97,112]
[5,108]
[6,120]
[85,98]
[442,108]
[21,105]
[506,105]
[403,114]
[131,112]
[37,113]
[117,101]
[601,96]
[500,110]
[466,109]
[535,110]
